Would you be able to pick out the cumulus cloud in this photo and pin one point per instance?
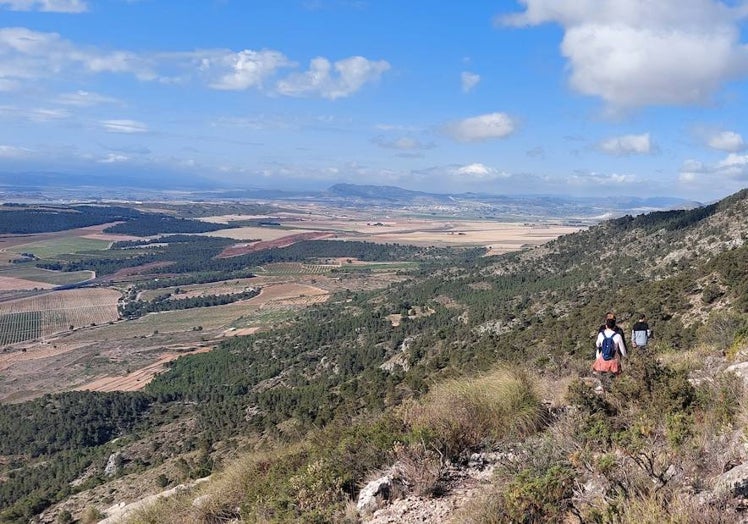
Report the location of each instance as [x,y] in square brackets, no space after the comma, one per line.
[469,81]
[481,127]
[333,80]
[50,6]
[733,167]
[627,145]
[29,56]
[478,171]
[244,69]
[634,53]
[727,141]
[124,126]
[404,143]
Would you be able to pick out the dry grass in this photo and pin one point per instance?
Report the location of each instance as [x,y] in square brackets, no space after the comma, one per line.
[663,509]
[461,415]
[217,501]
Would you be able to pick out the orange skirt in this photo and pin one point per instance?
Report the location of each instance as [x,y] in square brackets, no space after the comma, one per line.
[607,366]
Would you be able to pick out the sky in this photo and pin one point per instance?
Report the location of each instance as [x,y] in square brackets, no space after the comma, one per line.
[564,97]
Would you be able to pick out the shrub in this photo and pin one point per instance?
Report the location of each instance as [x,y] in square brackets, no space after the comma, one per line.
[457,416]
[531,497]
[421,468]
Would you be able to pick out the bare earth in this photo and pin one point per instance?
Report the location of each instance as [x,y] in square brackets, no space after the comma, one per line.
[11,283]
[137,379]
[498,237]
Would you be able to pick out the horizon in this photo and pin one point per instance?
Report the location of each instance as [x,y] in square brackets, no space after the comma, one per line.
[528,97]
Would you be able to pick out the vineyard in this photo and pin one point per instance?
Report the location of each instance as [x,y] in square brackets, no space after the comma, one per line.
[294,268]
[44,315]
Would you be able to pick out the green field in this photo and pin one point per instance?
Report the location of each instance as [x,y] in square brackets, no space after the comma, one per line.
[56,278]
[60,246]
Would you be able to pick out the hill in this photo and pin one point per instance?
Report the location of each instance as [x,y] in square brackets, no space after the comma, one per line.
[353,385]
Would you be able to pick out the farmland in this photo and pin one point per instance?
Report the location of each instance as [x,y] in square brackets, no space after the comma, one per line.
[61,246]
[57,340]
[42,276]
[50,313]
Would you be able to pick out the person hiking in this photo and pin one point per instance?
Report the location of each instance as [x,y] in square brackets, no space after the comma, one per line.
[617,328]
[640,333]
[610,348]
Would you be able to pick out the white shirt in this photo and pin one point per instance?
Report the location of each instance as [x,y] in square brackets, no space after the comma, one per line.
[617,340]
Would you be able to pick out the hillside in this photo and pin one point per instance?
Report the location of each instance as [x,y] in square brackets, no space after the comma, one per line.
[298,418]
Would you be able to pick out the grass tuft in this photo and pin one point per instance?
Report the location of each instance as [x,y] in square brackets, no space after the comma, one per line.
[461,415]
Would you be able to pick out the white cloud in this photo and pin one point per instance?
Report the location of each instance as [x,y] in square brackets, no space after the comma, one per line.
[34,114]
[85,99]
[31,55]
[482,127]
[405,143]
[333,80]
[469,81]
[733,167]
[728,141]
[628,145]
[634,53]
[28,56]
[13,151]
[124,126]
[244,69]
[51,6]
[584,179]
[114,158]
[478,171]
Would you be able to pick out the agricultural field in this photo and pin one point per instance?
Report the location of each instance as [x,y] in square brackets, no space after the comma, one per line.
[31,276]
[497,237]
[44,315]
[43,354]
[54,247]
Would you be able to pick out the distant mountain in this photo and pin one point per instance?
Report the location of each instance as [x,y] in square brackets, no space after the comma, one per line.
[505,206]
[127,186]
[392,193]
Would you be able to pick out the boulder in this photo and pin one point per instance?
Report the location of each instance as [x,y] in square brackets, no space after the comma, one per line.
[741,370]
[733,482]
[374,494]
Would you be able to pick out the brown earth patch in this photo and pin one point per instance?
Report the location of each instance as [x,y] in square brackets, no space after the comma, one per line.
[137,379]
[243,249]
[137,270]
[11,283]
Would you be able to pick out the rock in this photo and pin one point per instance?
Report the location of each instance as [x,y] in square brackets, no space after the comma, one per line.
[201,501]
[741,370]
[374,494]
[734,481]
[113,464]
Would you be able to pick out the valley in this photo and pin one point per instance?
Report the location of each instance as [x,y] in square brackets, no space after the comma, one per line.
[306,346]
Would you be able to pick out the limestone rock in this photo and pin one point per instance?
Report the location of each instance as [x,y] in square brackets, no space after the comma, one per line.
[374,494]
[734,481]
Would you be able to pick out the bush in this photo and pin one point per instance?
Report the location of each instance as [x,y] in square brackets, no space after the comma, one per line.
[531,497]
[458,416]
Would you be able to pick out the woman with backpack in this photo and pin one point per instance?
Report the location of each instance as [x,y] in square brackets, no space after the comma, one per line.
[610,348]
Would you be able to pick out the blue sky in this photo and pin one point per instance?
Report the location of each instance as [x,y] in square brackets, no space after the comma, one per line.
[580,97]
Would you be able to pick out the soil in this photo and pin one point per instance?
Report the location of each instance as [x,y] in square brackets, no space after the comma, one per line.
[243,249]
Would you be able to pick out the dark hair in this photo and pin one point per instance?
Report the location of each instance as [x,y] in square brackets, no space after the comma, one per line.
[610,323]
[642,316]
